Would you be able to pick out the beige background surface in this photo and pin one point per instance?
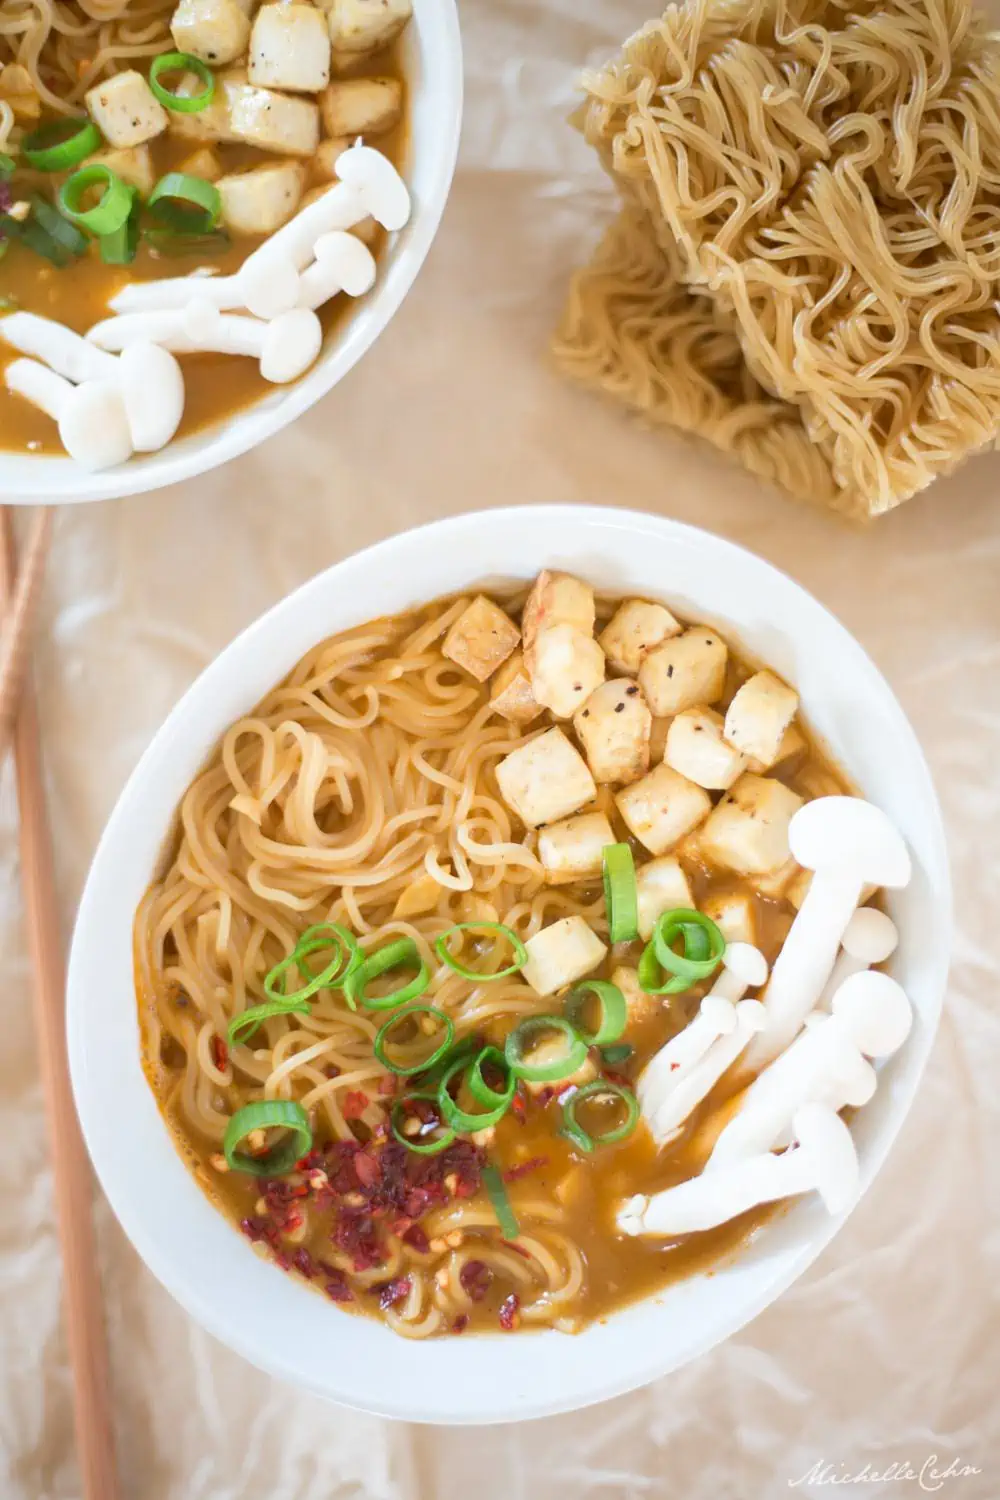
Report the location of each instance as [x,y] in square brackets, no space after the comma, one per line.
[889,1349]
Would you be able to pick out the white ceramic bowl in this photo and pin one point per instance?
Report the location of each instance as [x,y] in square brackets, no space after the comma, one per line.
[432,59]
[210,1268]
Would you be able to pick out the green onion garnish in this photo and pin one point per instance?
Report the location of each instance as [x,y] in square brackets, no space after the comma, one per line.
[313,940]
[403,1070]
[601,1088]
[169,242]
[185,203]
[613,1014]
[620,1053]
[267,1114]
[446,957]
[472,1120]
[242,1027]
[181,62]
[417,1142]
[573,1056]
[45,232]
[60,144]
[403,953]
[506,1218]
[7,166]
[119,247]
[481,1091]
[704,946]
[621,896]
[112,208]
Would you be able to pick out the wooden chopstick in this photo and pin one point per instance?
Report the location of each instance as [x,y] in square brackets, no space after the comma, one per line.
[70,1167]
[18,620]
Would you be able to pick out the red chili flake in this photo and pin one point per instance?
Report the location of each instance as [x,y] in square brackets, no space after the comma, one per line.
[387,1085]
[416,1238]
[331,1070]
[476,1278]
[391,1292]
[338,1290]
[304,1263]
[518,1108]
[509,1312]
[308,1162]
[355,1104]
[619,1078]
[368,1169]
[544,1096]
[461,1323]
[525,1168]
[294,1221]
[220,1052]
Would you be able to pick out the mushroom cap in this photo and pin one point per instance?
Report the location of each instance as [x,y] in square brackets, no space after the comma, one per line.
[719,1012]
[380,185]
[269,288]
[751,1015]
[824,1136]
[746,962]
[870,936]
[291,344]
[631,1212]
[152,388]
[350,259]
[876,1011]
[849,835]
[93,426]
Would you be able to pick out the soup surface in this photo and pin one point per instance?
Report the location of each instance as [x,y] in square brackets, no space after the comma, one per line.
[77,293]
[363,791]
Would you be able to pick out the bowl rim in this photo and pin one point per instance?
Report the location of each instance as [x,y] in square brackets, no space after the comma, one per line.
[806,1244]
[56,480]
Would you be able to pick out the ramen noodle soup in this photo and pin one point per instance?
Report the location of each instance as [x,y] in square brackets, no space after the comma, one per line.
[445,981]
[161,171]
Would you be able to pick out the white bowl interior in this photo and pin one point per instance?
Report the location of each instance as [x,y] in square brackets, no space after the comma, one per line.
[433,61]
[205,1263]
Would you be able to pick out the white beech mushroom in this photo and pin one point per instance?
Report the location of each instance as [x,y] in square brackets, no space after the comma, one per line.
[342,264]
[870,937]
[92,421]
[824,1161]
[285,347]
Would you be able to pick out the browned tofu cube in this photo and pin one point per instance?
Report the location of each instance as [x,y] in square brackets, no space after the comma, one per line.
[481,639]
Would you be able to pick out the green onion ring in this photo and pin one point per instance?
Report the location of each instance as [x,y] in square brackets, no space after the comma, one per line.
[520,951]
[185,203]
[507,1219]
[463,1119]
[480,1090]
[45,232]
[181,62]
[7,166]
[573,1058]
[263,1114]
[242,1027]
[402,952]
[60,144]
[621,894]
[426,1062]
[111,210]
[574,1131]
[347,958]
[614,1011]
[697,947]
[678,923]
[432,1147]
[119,247]
[617,1054]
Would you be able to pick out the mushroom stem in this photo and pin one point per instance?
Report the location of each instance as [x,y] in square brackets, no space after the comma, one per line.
[62,350]
[675,1103]
[39,385]
[286,346]
[869,939]
[342,264]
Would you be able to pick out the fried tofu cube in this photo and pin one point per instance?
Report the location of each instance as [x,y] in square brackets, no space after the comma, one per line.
[261,200]
[133,165]
[125,110]
[775,883]
[290,48]
[733,914]
[641,1007]
[661,885]
[275,122]
[545,780]
[358,26]
[361,106]
[214,123]
[565,667]
[759,716]
[662,807]
[614,726]
[556,599]
[698,749]
[481,639]
[572,849]
[204,164]
[217,31]
[748,830]
[686,671]
[795,891]
[561,954]
[635,628]
[510,692]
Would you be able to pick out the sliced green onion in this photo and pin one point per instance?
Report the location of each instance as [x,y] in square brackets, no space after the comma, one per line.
[181,62]
[112,208]
[506,1218]
[267,1114]
[7,166]
[600,1088]
[691,926]
[403,953]
[427,1148]
[480,1090]
[404,1070]
[621,895]
[333,976]
[45,232]
[61,144]
[185,203]
[169,242]
[242,1027]
[446,957]
[613,1016]
[521,1066]
[465,1119]
[617,1054]
[119,247]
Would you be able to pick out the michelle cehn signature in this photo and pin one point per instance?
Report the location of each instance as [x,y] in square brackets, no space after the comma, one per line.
[931,1475]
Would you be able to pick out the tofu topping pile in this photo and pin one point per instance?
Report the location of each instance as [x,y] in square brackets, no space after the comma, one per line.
[216,196]
[457,974]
